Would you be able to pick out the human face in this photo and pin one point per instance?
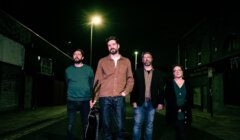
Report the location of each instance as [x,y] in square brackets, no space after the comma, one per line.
[177,72]
[77,57]
[147,59]
[113,47]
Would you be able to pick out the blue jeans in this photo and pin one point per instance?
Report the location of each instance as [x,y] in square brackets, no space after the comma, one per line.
[72,108]
[147,112]
[112,108]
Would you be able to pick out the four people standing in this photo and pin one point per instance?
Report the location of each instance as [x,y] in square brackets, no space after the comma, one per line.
[79,80]
[114,73]
[146,97]
[179,100]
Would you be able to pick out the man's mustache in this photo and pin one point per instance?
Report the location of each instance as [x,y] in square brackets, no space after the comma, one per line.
[76,58]
[112,49]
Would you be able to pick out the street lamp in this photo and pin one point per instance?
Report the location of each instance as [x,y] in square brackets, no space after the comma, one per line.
[136,55]
[95,20]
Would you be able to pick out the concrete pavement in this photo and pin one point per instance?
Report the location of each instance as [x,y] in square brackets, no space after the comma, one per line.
[225,125]
[14,124]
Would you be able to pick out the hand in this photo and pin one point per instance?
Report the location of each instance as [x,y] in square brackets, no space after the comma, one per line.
[134,105]
[159,107]
[123,94]
[92,103]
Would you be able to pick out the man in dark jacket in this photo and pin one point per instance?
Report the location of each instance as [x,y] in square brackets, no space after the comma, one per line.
[147,96]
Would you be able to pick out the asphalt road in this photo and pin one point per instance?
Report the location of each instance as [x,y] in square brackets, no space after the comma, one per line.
[57,130]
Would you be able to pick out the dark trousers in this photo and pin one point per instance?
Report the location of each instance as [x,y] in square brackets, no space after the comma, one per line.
[180,130]
[72,108]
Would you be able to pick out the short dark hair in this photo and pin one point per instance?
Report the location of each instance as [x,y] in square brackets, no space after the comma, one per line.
[112,38]
[80,50]
[146,52]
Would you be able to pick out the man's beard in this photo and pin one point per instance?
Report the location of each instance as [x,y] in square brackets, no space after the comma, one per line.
[113,51]
[77,61]
[147,63]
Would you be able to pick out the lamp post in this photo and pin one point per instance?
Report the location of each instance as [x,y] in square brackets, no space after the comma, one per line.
[95,20]
[136,55]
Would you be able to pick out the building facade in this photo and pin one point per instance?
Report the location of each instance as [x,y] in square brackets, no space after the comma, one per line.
[210,53]
[31,68]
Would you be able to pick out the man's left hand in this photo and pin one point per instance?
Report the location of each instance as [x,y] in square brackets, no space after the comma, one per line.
[123,94]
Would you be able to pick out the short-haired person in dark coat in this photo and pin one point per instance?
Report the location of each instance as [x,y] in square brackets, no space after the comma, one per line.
[179,100]
[147,96]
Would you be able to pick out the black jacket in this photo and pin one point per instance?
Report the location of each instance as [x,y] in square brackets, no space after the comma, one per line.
[157,88]
[171,103]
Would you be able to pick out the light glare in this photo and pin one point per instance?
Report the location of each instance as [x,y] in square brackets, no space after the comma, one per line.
[96,20]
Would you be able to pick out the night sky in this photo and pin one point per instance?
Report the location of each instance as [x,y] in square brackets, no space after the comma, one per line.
[140,26]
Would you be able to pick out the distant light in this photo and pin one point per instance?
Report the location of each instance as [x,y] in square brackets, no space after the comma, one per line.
[39,57]
[136,52]
[136,55]
[96,20]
